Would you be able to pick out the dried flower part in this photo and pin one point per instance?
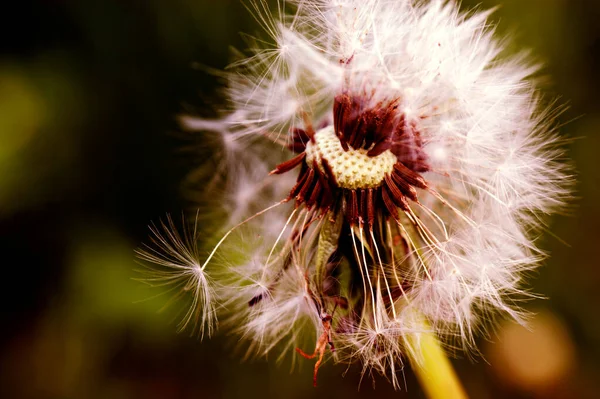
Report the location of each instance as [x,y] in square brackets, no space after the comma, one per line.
[417,197]
[333,170]
[378,128]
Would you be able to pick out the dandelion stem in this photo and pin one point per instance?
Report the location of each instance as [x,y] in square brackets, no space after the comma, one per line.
[432,367]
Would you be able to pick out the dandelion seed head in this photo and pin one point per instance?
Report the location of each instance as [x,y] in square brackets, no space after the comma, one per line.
[418,165]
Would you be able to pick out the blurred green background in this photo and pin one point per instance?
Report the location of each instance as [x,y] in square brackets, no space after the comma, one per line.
[91,152]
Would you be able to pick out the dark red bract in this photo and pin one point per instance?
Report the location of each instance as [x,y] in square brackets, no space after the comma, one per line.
[360,125]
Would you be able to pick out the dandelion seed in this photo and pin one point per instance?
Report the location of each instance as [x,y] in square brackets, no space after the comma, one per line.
[424,162]
[182,272]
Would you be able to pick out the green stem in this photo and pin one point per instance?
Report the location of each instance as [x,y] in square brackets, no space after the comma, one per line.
[432,366]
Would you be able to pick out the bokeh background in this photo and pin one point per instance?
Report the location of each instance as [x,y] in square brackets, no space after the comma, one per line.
[91,152]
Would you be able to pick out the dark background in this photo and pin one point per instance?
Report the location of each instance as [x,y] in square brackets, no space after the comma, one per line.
[91,152]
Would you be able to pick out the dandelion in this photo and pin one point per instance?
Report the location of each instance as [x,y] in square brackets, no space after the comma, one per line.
[423,163]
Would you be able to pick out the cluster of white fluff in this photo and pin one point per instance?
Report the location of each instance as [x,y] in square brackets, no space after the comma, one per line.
[496,168]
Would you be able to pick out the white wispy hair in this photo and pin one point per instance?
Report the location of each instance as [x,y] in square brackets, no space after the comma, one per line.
[494,170]
[280,320]
[181,271]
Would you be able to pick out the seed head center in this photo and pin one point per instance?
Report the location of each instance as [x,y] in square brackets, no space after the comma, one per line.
[352,169]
